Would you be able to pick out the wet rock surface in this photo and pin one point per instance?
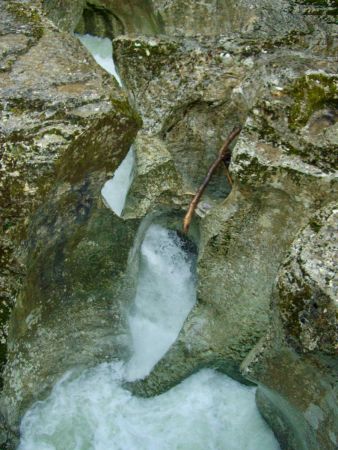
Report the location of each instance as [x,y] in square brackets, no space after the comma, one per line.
[192,72]
[283,87]
[295,363]
[191,92]
[65,126]
[307,286]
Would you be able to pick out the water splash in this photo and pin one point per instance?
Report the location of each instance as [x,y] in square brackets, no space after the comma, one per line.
[115,190]
[102,51]
[207,411]
[165,294]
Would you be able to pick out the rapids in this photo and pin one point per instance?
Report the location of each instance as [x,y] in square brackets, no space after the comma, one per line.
[165,295]
[207,411]
[91,410]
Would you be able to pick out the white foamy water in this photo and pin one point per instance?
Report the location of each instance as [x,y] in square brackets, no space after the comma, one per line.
[208,411]
[116,189]
[92,411]
[102,51]
[164,297]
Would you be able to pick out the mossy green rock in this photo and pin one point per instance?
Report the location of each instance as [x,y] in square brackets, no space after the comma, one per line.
[244,239]
[283,168]
[307,287]
[65,127]
[192,70]
[155,179]
[295,363]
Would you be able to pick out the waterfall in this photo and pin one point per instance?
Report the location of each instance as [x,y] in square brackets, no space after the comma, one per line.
[165,295]
[115,190]
[92,411]
[102,51]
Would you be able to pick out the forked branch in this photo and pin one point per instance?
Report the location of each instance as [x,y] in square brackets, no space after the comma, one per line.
[224,155]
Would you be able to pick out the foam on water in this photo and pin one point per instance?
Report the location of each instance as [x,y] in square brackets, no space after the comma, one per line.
[102,51]
[115,190]
[208,411]
[164,297]
[92,411]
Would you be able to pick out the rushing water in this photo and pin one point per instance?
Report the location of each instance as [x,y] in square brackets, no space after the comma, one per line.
[207,411]
[165,295]
[92,411]
[116,189]
[102,51]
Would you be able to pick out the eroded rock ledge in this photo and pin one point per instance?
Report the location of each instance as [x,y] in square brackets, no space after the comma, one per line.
[191,72]
[65,126]
[295,363]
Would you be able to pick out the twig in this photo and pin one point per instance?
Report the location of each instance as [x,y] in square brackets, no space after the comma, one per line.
[227,174]
[222,156]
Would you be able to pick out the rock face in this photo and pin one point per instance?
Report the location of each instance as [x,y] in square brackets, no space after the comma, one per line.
[244,240]
[189,18]
[190,92]
[65,127]
[192,70]
[156,180]
[295,363]
[307,286]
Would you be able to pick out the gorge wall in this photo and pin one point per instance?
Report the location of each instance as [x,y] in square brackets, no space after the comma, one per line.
[265,310]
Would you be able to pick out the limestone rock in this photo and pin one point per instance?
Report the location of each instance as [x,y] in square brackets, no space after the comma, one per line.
[65,126]
[192,70]
[244,240]
[295,364]
[308,287]
[155,178]
[188,18]
[104,17]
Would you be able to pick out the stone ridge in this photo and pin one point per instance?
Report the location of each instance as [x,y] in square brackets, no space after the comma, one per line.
[192,70]
[55,101]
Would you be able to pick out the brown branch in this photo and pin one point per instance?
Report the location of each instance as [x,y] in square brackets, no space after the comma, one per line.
[222,156]
[227,174]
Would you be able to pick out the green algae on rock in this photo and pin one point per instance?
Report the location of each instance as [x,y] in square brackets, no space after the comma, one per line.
[54,101]
[295,363]
[191,76]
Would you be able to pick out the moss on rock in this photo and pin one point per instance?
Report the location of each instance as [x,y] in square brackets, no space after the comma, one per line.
[311,93]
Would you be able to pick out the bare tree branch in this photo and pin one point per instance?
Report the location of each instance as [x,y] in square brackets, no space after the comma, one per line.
[224,155]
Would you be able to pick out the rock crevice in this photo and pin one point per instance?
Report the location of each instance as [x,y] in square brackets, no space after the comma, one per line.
[191,72]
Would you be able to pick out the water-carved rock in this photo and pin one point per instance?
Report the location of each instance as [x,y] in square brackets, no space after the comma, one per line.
[268,66]
[295,363]
[65,127]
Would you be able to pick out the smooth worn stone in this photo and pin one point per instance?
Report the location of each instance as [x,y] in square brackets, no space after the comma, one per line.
[155,178]
[192,70]
[65,126]
[295,364]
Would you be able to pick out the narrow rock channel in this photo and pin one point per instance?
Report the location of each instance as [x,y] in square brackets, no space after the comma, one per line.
[92,410]
[120,328]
